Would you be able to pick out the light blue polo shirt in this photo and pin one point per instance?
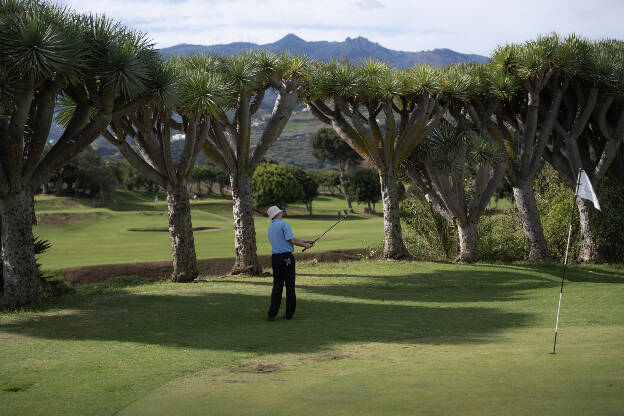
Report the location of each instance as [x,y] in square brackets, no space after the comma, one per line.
[279,236]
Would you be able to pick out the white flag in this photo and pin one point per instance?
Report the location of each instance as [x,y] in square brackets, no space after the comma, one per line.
[586,191]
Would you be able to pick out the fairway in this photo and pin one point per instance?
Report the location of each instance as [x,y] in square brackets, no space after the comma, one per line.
[371,338]
[83,235]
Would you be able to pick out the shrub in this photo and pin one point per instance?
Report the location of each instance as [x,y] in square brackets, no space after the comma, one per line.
[608,224]
[363,186]
[275,185]
[428,235]
[555,203]
[308,185]
[501,237]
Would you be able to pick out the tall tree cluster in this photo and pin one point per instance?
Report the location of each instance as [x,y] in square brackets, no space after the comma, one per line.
[358,100]
[48,55]
[229,144]
[457,131]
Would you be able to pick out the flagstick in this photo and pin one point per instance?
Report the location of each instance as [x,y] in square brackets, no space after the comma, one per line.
[565,260]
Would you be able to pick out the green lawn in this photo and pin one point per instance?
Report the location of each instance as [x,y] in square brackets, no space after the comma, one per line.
[84,234]
[368,338]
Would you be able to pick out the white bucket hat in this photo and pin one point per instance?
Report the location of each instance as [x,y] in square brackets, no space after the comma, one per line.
[273,211]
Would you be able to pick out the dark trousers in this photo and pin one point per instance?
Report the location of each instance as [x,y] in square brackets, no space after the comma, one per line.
[283,274]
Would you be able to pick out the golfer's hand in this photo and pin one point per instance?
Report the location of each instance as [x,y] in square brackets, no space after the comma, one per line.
[308,243]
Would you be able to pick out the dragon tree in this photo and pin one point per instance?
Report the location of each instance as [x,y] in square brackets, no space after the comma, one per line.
[48,53]
[527,120]
[229,145]
[589,129]
[382,114]
[460,164]
[185,101]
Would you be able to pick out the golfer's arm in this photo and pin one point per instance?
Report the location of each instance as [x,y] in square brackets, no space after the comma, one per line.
[297,242]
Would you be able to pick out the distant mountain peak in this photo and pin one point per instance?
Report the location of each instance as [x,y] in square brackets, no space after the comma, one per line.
[354,49]
[291,37]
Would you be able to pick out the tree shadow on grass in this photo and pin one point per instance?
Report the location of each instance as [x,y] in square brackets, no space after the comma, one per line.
[236,322]
[574,273]
[445,286]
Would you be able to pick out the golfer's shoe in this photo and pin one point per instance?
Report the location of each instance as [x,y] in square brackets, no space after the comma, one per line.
[288,318]
[270,318]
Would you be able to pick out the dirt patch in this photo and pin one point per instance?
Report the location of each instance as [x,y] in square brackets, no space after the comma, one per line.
[166,230]
[160,270]
[63,218]
[255,366]
[330,357]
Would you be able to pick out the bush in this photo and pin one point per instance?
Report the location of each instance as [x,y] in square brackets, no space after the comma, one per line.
[363,186]
[608,224]
[501,237]
[308,185]
[328,179]
[275,185]
[555,203]
[428,235]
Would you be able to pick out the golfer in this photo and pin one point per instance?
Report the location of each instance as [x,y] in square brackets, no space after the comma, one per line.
[283,261]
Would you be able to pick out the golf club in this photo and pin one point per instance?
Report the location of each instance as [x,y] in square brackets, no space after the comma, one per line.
[326,231]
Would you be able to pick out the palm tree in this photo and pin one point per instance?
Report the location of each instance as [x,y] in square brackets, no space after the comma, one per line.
[185,101]
[49,53]
[351,98]
[229,143]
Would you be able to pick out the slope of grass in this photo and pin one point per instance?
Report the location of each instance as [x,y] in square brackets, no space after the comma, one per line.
[102,237]
[368,338]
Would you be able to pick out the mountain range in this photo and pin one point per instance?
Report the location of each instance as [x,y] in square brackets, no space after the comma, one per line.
[353,49]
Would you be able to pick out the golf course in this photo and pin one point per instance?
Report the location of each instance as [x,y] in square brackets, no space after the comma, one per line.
[370,337]
[203,213]
[83,235]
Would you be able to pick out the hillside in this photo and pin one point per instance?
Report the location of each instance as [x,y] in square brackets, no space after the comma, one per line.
[293,145]
[353,49]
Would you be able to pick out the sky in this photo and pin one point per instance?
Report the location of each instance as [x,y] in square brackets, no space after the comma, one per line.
[464,26]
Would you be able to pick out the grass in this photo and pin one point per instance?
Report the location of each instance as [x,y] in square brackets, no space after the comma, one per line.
[372,338]
[83,235]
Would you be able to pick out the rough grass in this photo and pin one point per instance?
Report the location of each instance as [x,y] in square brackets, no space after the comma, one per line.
[82,235]
[372,338]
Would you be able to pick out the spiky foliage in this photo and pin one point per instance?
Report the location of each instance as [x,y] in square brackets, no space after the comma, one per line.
[360,93]
[96,68]
[589,128]
[245,79]
[383,114]
[458,170]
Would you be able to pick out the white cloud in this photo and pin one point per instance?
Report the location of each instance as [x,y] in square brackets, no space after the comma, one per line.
[369,4]
[470,27]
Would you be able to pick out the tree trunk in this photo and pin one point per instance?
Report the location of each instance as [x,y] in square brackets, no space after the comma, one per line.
[589,251]
[394,248]
[246,261]
[181,230]
[530,219]
[468,237]
[19,271]
[59,185]
[343,188]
